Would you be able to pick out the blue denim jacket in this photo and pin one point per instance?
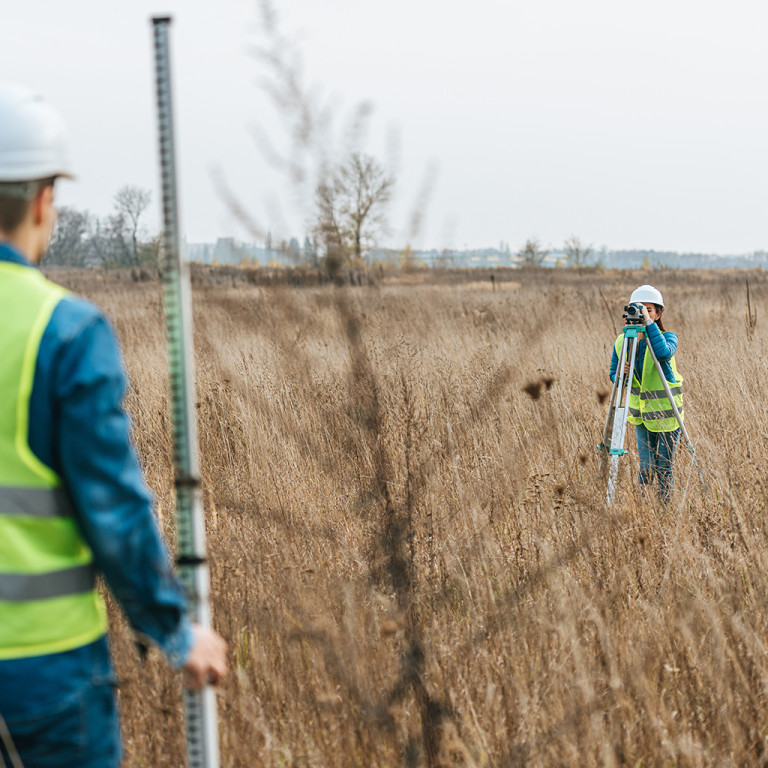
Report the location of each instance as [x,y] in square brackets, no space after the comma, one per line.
[78,427]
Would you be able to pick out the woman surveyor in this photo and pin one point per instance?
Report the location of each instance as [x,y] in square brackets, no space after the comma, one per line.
[650,410]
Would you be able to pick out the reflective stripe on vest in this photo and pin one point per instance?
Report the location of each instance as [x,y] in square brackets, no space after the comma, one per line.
[48,599]
[34,502]
[660,394]
[24,587]
[657,415]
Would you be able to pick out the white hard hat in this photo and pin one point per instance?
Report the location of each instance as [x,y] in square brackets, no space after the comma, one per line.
[646,293]
[33,137]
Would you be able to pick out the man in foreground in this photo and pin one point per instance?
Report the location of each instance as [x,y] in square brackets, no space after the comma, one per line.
[73,502]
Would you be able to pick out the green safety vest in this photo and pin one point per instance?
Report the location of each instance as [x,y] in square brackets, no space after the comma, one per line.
[48,597]
[648,402]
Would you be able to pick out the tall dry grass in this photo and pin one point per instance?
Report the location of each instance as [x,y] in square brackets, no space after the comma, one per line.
[411,556]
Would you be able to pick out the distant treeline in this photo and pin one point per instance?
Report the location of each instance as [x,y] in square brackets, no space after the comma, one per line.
[82,239]
[640,259]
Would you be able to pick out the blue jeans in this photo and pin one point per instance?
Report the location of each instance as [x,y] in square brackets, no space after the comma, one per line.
[656,451]
[60,709]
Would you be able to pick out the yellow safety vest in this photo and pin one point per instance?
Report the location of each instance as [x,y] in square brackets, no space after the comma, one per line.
[48,598]
[648,402]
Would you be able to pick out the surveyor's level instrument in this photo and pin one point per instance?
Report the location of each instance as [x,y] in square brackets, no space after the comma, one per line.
[614,433]
[199,706]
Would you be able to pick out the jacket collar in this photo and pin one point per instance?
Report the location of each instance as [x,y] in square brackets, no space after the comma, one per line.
[9,253]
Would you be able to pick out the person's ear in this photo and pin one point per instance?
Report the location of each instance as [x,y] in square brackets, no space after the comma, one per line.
[42,204]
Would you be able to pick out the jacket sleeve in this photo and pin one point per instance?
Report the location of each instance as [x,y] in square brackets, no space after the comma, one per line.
[100,469]
[664,344]
[614,363]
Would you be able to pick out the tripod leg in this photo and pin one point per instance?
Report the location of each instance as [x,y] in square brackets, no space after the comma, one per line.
[613,476]
[616,392]
[617,449]
[621,413]
[683,430]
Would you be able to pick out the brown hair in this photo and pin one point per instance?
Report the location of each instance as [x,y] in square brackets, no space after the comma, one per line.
[659,310]
[14,209]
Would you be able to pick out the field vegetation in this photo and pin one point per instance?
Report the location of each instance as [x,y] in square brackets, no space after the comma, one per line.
[412,560]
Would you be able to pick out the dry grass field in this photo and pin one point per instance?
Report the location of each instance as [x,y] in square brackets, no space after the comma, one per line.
[411,556]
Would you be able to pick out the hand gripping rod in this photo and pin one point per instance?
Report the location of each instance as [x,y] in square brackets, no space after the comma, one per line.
[199,706]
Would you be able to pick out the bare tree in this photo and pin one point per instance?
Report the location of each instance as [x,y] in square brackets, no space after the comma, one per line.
[81,238]
[107,241]
[328,227]
[351,208]
[130,204]
[367,190]
[532,254]
[576,253]
[69,244]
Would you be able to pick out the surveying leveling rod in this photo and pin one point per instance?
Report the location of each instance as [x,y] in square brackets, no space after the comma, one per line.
[199,706]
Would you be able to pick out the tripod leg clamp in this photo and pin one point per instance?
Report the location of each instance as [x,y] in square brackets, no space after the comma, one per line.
[611,451]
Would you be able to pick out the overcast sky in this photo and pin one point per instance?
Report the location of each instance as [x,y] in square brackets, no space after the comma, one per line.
[629,125]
